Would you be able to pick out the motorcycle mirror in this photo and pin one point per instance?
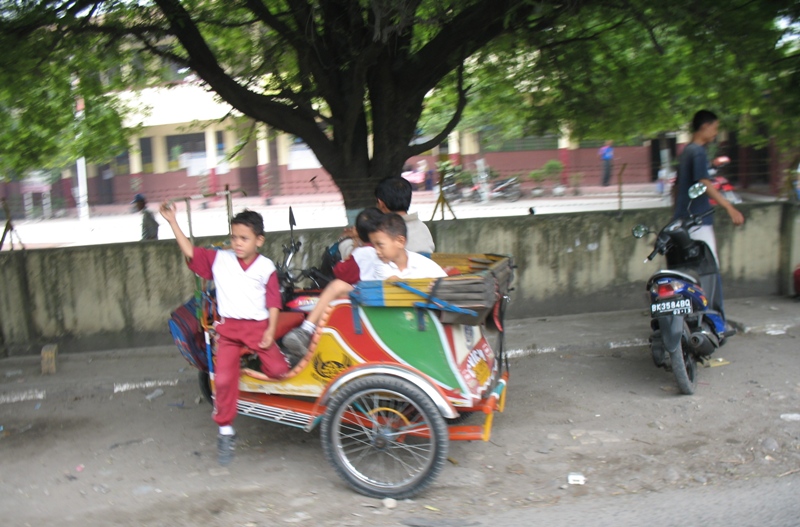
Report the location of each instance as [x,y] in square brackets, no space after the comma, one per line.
[639,231]
[292,223]
[697,190]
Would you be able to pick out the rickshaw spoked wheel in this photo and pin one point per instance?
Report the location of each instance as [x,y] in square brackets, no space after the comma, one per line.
[384,436]
[205,386]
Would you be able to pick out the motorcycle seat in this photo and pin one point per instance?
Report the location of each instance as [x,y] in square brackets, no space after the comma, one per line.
[686,274]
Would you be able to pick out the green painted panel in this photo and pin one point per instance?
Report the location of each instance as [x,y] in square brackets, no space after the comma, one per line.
[397,328]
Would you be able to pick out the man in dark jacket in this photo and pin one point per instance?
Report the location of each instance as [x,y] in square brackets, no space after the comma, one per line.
[149,223]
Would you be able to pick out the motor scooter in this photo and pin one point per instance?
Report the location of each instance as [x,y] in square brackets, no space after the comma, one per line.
[720,182]
[451,189]
[508,189]
[687,322]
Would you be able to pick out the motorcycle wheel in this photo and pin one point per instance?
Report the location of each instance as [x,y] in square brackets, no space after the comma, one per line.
[514,195]
[475,196]
[684,367]
[384,436]
[205,386]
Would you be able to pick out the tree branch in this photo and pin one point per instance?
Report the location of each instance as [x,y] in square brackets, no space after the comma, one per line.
[451,125]
[483,21]
[639,17]
[293,119]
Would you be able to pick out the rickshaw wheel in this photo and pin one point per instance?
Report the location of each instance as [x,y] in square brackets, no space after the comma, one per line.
[385,437]
[205,386]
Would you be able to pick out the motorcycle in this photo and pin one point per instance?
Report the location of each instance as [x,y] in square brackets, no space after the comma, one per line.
[720,182]
[508,189]
[451,189]
[687,324]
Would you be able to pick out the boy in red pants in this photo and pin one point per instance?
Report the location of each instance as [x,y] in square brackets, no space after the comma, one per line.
[248,302]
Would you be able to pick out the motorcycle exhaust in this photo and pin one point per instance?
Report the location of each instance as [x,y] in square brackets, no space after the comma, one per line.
[703,343]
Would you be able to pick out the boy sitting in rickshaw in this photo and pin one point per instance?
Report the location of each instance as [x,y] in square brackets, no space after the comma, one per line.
[388,238]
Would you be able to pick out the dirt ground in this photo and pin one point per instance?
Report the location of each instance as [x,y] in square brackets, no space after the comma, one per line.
[89,457]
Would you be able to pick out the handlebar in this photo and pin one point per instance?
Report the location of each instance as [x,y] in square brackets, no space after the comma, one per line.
[707,213]
[651,255]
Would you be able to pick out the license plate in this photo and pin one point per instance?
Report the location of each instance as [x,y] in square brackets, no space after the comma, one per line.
[680,306]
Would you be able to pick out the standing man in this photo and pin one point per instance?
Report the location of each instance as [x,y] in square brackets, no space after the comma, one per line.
[393,194]
[149,223]
[693,168]
[606,153]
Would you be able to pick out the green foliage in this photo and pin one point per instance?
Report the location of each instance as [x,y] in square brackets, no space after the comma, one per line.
[351,78]
[42,83]
[611,73]
[449,169]
[550,171]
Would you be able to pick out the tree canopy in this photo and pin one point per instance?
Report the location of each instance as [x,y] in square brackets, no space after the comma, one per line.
[351,77]
[623,77]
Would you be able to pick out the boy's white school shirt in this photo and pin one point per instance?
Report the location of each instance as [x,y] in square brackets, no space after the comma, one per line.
[418,266]
[241,293]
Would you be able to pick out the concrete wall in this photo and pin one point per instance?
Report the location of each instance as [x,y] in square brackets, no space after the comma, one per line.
[110,296]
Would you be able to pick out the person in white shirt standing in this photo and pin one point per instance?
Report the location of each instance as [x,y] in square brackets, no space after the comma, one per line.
[394,195]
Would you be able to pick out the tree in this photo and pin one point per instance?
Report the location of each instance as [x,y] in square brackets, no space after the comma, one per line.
[349,77]
[43,83]
[630,76]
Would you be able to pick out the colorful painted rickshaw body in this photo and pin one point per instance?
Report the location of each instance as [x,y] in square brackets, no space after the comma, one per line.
[399,365]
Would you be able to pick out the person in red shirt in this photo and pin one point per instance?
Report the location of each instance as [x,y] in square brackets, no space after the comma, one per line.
[248,302]
[359,263]
[362,255]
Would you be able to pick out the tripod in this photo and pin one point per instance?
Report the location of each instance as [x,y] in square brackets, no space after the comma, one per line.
[441,201]
[9,229]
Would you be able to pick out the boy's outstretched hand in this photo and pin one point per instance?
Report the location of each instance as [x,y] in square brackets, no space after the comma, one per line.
[168,211]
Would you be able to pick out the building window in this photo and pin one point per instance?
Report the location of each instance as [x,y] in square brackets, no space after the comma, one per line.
[187,151]
[121,165]
[301,156]
[146,149]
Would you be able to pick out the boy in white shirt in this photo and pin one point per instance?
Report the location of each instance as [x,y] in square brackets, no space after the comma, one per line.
[389,240]
[248,301]
[388,237]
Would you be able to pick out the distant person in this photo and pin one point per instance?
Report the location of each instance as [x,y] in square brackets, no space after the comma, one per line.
[149,223]
[248,300]
[393,194]
[606,153]
[693,168]
[430,176]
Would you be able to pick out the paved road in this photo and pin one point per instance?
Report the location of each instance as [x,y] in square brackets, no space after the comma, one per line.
[760,502]
[88,448]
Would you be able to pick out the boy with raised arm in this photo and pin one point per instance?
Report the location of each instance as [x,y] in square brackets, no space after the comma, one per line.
[248,302]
